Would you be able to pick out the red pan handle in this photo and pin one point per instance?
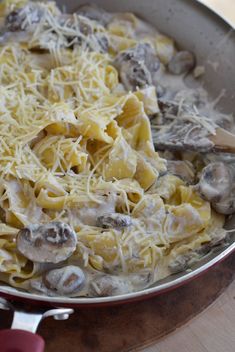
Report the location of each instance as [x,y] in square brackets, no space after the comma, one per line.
[20,341]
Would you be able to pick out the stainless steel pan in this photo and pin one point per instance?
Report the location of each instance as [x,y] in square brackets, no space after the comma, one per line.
[195,28]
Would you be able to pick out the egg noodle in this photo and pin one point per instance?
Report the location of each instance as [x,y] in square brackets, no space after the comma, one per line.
[74,144]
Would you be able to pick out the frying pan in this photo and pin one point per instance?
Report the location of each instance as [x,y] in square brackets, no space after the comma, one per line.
[195,28]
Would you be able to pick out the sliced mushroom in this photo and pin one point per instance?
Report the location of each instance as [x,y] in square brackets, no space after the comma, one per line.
[134,74]
[191,97]
[182,169]
[107,285]
[218,240]
[114,220]
[77,30]
[49,243]
[216,186]
[181,63]
[226,207]
[22,18]
[184,261]
[137,66]
[215,182]
[168,107]
[76,22]
[179,264]
[84,34]
[65,281]
[183,135]
[95,13]
[145,52]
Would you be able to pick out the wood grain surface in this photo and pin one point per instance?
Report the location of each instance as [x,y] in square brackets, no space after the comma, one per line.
[211,331]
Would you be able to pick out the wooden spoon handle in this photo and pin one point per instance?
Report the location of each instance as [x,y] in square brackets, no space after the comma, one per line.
[224,141]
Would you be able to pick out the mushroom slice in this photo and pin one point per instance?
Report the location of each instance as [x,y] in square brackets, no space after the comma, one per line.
[215,182]
[95,13]
[134,74]
[182,169]
[65,281]
[179,264]
[107,285]
[114,220]
[182,135]
[216,186]
[181,63]
[48,243]
[226,207]
[83,33]
[137,66]
[184,261]
[146,53]
[219,240]
[77,23]
[21,19]
[191,98]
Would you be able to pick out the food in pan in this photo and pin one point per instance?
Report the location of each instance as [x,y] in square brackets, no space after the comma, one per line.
[90,203]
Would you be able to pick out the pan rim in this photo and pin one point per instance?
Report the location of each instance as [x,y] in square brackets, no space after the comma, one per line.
[8,291]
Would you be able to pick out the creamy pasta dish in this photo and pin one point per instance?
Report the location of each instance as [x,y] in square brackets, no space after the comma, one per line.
[91,203]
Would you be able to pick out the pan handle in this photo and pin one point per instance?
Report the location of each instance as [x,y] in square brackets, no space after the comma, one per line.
[20,341]
[22,336]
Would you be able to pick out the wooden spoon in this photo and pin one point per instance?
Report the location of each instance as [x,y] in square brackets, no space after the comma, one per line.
[182,136]
[223,140]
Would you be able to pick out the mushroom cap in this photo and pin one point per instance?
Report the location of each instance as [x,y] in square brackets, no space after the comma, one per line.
[215,182]
[181,63]
[114,220]
[16,20]
[71,21]
[137,65]
[108,285]
[134,74]
[48,243]
[95,13]
[225,207]
[64,281]
[179,264]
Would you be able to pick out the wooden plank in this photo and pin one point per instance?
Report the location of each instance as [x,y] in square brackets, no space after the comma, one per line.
[213,330]
[226,8]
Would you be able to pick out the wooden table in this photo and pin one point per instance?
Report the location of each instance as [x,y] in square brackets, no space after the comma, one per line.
[226,8]
[211,331]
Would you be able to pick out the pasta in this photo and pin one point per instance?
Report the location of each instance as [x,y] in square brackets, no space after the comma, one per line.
[76,145]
